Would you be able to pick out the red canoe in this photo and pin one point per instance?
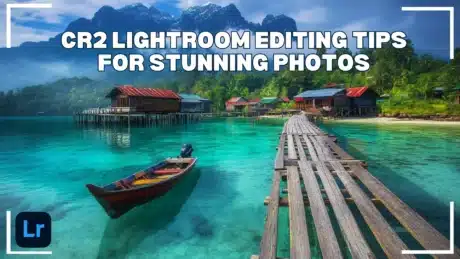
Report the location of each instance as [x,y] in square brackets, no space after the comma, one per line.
[121,196]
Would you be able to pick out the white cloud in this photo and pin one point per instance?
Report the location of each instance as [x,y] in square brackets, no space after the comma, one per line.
[74,8]
[256,17]
[314,15]
[54,15]
[20,34]
[405,24]
[358,25]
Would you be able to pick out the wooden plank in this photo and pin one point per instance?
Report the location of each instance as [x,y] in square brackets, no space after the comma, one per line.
[420,229]
[269,239]
[324,147]
[260,257]
[283,173]
[284,201]
[321,149]
[390,242]
[298,128]
[300,246]
[304,128]
[344,191]
[317,148]
[337,149]
[279,160]
[311,149]
[326,236]
[350,230]
[291,149]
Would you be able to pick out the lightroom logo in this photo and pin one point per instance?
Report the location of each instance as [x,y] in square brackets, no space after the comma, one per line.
[33,230]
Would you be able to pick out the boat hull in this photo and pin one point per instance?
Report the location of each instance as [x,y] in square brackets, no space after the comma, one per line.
[118,203]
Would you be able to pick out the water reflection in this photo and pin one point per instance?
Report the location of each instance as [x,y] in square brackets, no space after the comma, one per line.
[123,235]
[114,136]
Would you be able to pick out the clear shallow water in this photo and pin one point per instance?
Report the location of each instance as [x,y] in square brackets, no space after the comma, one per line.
[218,211]
[419,163]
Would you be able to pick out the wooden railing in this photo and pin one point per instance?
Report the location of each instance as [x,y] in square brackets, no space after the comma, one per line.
[109,110]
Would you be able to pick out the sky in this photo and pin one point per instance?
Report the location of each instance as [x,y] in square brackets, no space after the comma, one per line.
[428,30]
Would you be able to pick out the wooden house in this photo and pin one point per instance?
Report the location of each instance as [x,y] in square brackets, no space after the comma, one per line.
[148,100]
[362,100]
[236,104]
[207,105]
[254,104]
[270,102]
[194,103]
[327,99]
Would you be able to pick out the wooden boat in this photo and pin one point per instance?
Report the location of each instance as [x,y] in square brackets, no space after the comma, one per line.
[121,196]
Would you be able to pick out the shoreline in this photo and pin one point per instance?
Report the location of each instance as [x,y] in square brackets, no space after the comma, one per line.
[393,120]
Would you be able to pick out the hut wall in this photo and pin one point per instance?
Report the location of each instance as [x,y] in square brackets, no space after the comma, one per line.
[304,105]
[321,102]
[269,105]
[239,108]
[317,103]
[368,99]
[341,101]
[191,107]
[235,107]
[155,105]
[229,107]
[120,101]
[207,106]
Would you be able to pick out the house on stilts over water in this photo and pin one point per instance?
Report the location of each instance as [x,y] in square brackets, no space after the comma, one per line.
[337,101]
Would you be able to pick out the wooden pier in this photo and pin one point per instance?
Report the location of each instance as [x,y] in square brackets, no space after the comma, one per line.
[323,176]
[126,116]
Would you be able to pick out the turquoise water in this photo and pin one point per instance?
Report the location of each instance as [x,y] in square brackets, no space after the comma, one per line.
[419,163]
[218,211]
[45,164]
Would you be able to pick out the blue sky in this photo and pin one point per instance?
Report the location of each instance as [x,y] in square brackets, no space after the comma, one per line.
[428,30]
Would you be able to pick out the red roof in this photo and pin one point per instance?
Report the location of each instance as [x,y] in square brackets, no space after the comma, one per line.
[356,91]
[298,99]
[285,99]
[151,92]
[234,100]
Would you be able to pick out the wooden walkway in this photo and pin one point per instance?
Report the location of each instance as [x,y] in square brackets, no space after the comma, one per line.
[320,175]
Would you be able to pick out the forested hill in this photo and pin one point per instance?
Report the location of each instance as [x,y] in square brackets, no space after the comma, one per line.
[409,79]
[62,97]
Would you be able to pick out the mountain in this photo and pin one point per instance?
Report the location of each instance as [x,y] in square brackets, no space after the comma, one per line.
[31,60]
[138,17]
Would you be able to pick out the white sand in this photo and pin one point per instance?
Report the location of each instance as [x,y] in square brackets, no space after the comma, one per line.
[388,120]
